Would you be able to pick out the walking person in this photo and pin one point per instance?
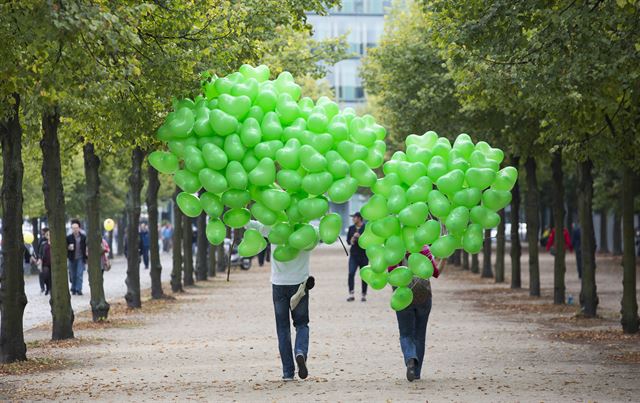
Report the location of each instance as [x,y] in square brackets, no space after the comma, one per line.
[44,260]
[290,285]
[412,321]
[76,256]
[166,234]
[357,256]
[41,241]
[145,244]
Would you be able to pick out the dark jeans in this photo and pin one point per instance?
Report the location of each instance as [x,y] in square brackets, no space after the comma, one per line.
[264,254]
[356,262]
[45,278]
[145,257]
[76,270]
[412,323]
[281,304]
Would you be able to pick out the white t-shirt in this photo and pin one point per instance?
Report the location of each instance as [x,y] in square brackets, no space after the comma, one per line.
[292,272]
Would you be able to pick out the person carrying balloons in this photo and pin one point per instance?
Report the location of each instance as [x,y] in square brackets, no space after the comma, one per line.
[357,256]
[290,282]
[412,320]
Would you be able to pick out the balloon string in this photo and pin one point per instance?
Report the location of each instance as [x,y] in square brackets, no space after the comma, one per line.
[343,247]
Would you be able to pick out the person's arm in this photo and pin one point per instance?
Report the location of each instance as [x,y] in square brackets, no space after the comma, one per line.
[567,240]
[260,227]
[350,234]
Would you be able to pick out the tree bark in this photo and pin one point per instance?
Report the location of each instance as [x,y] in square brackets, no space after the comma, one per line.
[630,321]
[221,258]
[515,233]
[500,242]
[61,311]
[487,271]
[212,263]
[475,263]
[533,225]
[604,242]
[12,296]
[457,258]
[110,241]
[133,211]
[588,293]
[559,267]
[154,249]
[187,250]
[99,304]
[176,271]
[617,232]
[122,230]
[465,260]
[202,246]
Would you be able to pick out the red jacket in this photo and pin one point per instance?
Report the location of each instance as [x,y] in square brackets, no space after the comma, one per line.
[567,240]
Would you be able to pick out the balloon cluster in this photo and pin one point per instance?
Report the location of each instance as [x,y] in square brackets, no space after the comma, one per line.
[254,147]
[432,183]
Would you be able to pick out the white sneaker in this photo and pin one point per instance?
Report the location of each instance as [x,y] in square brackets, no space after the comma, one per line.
[287,379]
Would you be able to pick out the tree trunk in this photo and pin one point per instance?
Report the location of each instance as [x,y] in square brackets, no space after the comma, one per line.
[99,304]
[154,249]
[122,228]
[500,241]
[212,263]
[617,233]
[176,271]
[457,258]
[110,241]
[629,321]
[221,258]
[53,191]
[533,224]
[604,242]
[187,250]
[202,246]
[515,233]
[133,238]
[12,296]
[588,293]
[487,272]
[559,267]
[475,263]
[465,260]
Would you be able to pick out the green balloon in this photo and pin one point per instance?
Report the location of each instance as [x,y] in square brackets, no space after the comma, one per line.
[496,199]
[237,107]
[313,207]
[386,227]
[268,149]
[351,151]
[439,205]
[180,123]
[392,167]
[415,153]
[338,129]
[187,181]
[311,160]
[237,177]
[317,183]
[480,178]
[451,182]
[211,204]
[473,239]
[260,73]
[336,165]
[428,232]
[285,253]
[263,214]
[164,162]
[414,214]
[271,126]
[189,204]
[368,238]
[222,123]
[401,298]
[179,147]
[400,276]
[295,131]
[277,200]
[215,231]
[378,281]
[375,208]
[363,174]
[397,199]
[411,172]
[409,239]
[485,217]
[279,234]
[233,147]
[437,167]
[289,180]
[330,227]
[342,190]
[248,88]
[505,179]
[217,140]
[288,157]
[287,109]
[456,222]
[468,198]
[250,135]
[252,243]
[444,246]
[212,181]
[256,113]
[236,217]
[419,191]
[394,250]
[303,237]
[249,161]
[264,173]
[236,198]
[420,265]
[366,273]
[384,185]
[193,160]
[214,156]
[317,121]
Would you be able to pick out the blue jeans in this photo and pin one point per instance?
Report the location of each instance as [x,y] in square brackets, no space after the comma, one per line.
[412,323]
[281,299]
[145,257]
[354,264]
[76,270]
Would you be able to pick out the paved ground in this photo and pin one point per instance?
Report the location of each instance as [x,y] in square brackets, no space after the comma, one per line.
[217,342]
[38,309]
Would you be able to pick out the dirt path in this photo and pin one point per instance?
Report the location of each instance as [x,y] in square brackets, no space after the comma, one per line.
[218,343]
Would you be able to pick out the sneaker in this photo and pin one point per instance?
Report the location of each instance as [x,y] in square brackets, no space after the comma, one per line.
[411,369]
[364,298]
[78,292]
[73,292]
[46,292]
[351,298]
[287,379]
[302,366]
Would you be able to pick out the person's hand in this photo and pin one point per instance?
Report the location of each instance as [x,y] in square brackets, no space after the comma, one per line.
[70,246]
[443,263]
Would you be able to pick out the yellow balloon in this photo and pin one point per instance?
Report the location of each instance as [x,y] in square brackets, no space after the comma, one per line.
[109,224]
[27,237]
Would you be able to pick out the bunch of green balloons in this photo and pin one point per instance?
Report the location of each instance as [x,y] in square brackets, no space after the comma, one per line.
[253,147]
[435,194]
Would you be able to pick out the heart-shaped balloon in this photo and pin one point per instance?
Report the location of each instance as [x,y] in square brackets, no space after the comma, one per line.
[480,178]
[342,190]
[428,232]
[400,276]
[260,73]
[496,199]
[330,227]
[386,227]
[420,265]
[211,204]
[222,123]
[401,298]
[187,181]
[313,207]
[189,204]
[164,162]
[375,208]
[263,214]
[215,231]
[236,217]
[252,243]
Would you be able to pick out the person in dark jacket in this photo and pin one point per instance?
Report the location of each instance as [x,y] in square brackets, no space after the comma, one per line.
[145,244]
[44,254]
[76,256]
[41,241]
[357,256]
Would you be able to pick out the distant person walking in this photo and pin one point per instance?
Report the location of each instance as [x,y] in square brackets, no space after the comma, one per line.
[44,253]
[145,244]
[357,256]
[41,241]
[76,256]
[567,241]
[166,233]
